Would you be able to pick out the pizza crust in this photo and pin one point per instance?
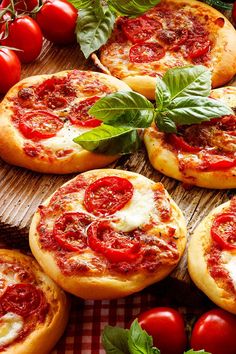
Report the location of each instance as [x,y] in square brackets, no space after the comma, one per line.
[165,160]
[104,286]
[45,336]
[11,149]
[222,63]
[197,265]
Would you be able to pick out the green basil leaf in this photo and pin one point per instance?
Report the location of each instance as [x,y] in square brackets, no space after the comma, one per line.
[188,81]
[162,93]
[131,7]
[94,27]
[194,110]
[110,140]
[165,124]
[84,4]
[191,351]
[139,342]
[124,108]
[115,340]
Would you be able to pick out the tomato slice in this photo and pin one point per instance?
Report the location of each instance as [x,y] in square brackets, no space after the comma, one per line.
[223,230]
[198,46]
[107,195]
[39,125]
[180,144]
[22,299]
[79,115]
[116,247]
[46,87]
[70,230]
[217,162]
[140,29]
[56,102]
[146,52]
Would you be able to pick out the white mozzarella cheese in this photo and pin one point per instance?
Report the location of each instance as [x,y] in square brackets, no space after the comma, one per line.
[229,260]
[10,327]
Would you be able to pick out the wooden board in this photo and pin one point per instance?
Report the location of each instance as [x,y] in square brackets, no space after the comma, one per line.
[21,191]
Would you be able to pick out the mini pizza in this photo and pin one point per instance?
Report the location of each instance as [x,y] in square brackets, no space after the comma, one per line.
[107,234]
[33,309]
[172,34]
[41,115]
[200,154]
[212,256]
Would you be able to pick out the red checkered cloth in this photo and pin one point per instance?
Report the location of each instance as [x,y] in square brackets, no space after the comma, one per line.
[88,318]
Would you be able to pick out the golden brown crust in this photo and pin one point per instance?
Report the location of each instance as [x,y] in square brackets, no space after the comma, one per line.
[166,161]
[222,62]
[106,285]
[197,265]
[45,335]
[11,147]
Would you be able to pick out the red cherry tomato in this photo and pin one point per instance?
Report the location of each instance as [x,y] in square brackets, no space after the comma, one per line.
[107,195]
[167,328]
[223,231]
[10,69]
[79,115]
[146,52]
[22,299]
[25,34]
[70,231]
[215,332]
[57,19]
[116,247]
[21,5]
[39,125]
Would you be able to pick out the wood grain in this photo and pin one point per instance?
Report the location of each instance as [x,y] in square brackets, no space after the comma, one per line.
[21,191]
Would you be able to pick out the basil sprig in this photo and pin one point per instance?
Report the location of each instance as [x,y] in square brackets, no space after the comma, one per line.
[96,19]
[132,341]
[181,99]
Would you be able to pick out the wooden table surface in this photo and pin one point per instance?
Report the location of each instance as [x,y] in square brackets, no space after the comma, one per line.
[21,190]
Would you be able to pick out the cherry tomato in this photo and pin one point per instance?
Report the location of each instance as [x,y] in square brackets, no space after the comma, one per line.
[167,328]
[223,231]
[180,144]
[57,19]
[25,34]
[215,332]
[70,230]
[115,246]
[107,195]
[146,52]
[79,115]
[10,69]
[21,5]
[39,125]
[22,299]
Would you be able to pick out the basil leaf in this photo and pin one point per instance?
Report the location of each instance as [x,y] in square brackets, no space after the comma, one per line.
[191,351]
[94,27]
[165,124]
[110,140]
[162,93]
[139,342]
[83,4]
[131,7]
[188,81]
[124,108]
[194,110]
[115,339]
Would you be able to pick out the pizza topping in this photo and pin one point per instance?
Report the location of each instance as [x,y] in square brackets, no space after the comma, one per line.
[213,162]
[79,115]
[223,231]
[21,299]
[70,230]
[180,144]
[56,102]
[198,47]
[116,247]
[107,195]
[146,52]
[26,93]
[39,125]
[11,326]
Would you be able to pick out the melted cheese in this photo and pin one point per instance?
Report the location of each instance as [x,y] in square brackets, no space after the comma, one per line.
[10,327]
[229,260]
[64,138]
